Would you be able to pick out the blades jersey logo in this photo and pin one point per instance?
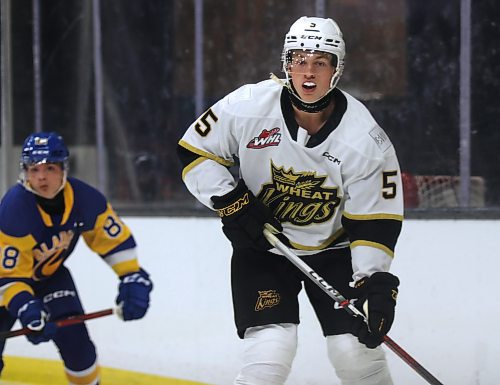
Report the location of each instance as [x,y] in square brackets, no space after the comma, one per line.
[299,198]
[266,138]
[48,259]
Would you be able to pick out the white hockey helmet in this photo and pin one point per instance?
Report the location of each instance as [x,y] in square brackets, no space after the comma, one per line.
[315,34]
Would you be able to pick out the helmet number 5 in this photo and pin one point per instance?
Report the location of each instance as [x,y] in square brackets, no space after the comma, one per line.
[389,187]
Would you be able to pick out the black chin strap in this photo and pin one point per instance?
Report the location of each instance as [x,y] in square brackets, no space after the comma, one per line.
[316,106]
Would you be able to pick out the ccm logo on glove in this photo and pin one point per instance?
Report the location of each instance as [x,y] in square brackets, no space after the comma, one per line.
[137,277]
[235,207]
[243,217]
[133,295]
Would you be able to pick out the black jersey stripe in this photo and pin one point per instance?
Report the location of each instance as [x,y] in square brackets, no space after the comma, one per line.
[373,229]
[188,153]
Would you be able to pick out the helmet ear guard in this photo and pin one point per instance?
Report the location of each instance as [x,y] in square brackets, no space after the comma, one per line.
[40,148]
[314,34]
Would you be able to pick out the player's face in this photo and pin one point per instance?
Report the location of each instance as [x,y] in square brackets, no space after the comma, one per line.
[45,179]
[311,73]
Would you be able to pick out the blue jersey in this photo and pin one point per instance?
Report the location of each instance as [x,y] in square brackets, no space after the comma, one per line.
[35,244]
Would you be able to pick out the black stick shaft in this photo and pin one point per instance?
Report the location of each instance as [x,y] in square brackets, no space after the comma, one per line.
[346,305]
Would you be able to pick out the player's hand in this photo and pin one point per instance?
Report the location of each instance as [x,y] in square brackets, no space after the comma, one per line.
[243,217]
[377,300]
[133,295]
[33,316]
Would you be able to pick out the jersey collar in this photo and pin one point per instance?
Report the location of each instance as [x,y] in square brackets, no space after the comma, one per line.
[68,196]
[330,125]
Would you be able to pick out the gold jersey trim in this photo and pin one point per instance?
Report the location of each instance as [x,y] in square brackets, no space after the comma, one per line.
[375,245]
[203,154]
[331,239]
[192,165]
[367,217]
[13,290]
[126,267]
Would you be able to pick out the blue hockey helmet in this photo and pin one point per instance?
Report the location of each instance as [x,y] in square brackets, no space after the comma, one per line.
[44,147]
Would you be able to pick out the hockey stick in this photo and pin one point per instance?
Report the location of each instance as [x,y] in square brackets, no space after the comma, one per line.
[346,305]
[72,320]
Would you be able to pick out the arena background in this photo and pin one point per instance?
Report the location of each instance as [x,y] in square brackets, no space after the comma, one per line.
[122,80]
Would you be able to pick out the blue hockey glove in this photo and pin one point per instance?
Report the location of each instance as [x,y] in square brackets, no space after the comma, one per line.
[133,295]
[377,300]
[33,316]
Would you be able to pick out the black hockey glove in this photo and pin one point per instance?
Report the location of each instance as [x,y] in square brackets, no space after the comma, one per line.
[377,300]
[243,218]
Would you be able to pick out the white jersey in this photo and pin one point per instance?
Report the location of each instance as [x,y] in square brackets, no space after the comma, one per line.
[340,185]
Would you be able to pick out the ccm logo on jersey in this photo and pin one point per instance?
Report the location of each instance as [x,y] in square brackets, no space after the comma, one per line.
[266,138]
[58,294]
[331,158]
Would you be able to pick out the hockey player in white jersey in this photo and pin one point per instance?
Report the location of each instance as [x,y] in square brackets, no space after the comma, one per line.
[315,165]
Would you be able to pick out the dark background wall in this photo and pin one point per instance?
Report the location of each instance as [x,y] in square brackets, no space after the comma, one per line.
[402,62]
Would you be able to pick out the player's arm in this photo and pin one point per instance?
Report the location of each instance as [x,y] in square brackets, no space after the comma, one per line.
[15,265]
[112,239]
[373,214]
[204,174]
[16,286]
[208,147]
[373,218]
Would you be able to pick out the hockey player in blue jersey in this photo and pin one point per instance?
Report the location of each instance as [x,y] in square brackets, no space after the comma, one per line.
[41,219]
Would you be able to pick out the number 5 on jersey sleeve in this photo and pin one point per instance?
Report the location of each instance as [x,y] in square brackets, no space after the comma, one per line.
[388,185]
[202,126]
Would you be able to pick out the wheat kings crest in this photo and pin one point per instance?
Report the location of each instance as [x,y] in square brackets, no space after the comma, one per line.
[299,198]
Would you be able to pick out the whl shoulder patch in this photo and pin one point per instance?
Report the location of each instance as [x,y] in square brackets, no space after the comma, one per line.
[381,138]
